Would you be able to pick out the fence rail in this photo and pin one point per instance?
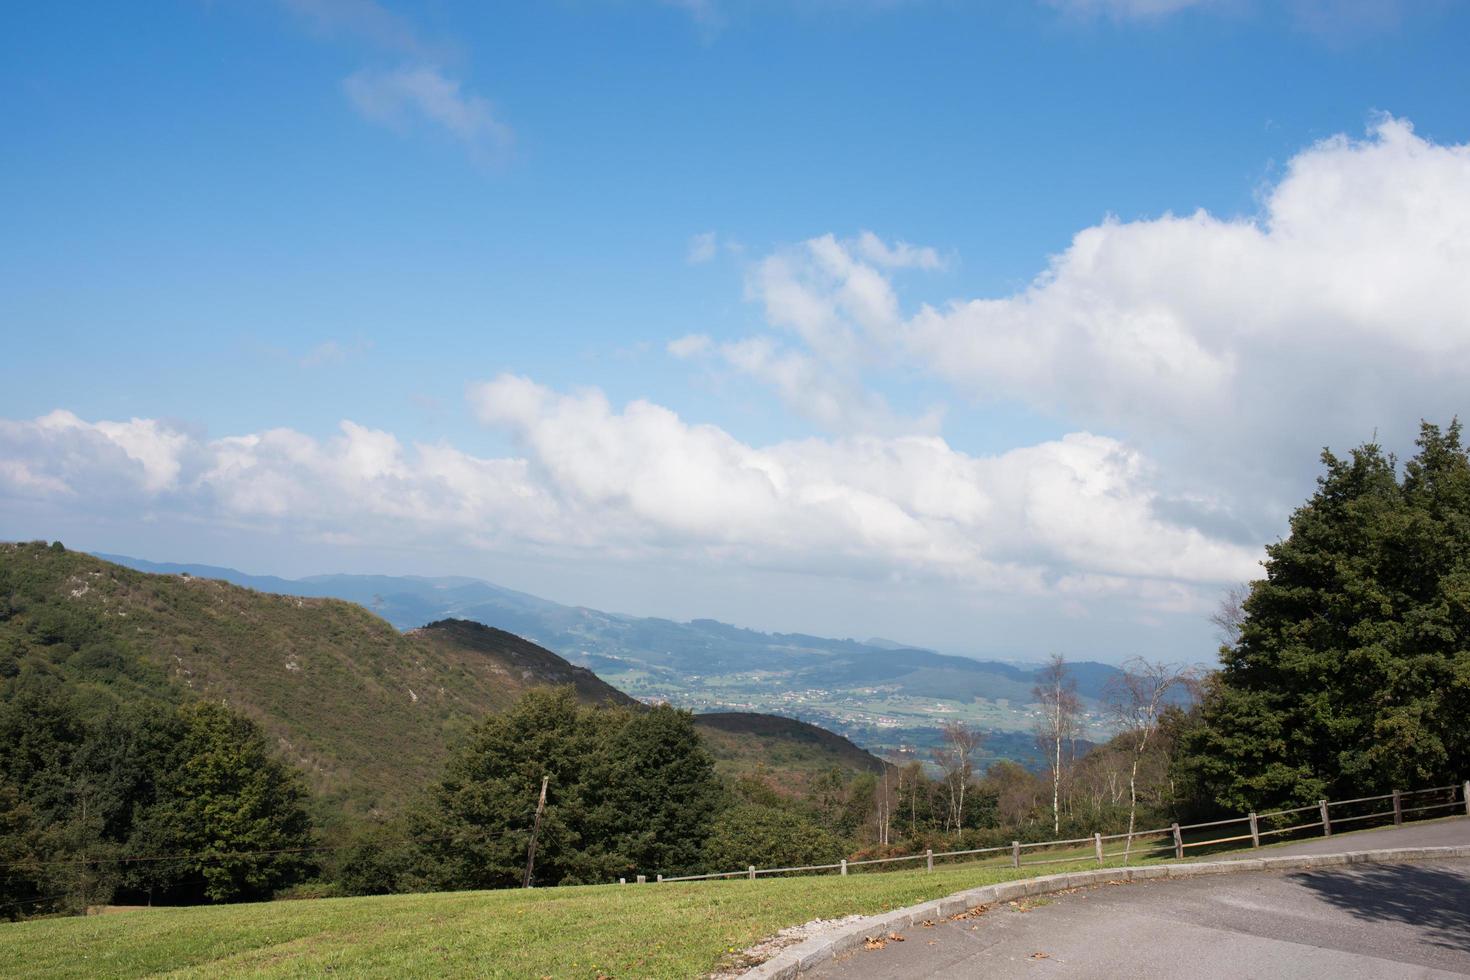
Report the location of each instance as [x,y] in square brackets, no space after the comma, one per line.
[1459,798]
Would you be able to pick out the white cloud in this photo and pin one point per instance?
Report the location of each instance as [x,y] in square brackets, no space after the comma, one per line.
[835,400]
[1231,349]
[408,95]
[702,248]
[1244,345]
[361,19]
[899,255]
[690,345]
[1076,516]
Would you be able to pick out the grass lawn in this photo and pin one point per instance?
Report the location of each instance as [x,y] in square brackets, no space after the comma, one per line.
[655,930]
[672,930]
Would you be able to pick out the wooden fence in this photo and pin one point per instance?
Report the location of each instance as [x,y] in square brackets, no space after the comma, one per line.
[1253,827]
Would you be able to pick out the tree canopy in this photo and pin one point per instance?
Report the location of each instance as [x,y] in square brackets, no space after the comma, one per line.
[1350,673]
[630,791]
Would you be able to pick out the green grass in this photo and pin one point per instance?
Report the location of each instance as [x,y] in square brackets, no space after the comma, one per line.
[656,930]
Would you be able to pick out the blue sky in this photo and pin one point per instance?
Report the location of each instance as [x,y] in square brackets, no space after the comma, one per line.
[461,225]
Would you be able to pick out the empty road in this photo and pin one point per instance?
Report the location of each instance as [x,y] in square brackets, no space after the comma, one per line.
[1378,921]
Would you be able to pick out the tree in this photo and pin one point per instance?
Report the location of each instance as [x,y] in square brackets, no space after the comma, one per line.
[1136,698]
[1057,723]
[1017,792]
[1351,672]
[767,837]
[230,817]
[1229,614]
[629,791]
[953,757]
[22,868]
[663,795]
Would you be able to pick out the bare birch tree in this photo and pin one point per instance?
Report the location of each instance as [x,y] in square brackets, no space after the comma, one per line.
[1057,723]
[883,799]
[1135,699]
[1229,615]
[953,757]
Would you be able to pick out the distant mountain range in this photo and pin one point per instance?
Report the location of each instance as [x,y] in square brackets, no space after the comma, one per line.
[882,694]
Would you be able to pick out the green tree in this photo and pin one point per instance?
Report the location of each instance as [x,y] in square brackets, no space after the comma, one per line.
[1350,673]
[22,868]
[629,791]
[663,795]
[230,818]
[767,837]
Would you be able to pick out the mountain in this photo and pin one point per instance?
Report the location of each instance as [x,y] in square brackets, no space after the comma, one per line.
[746,743]
[368,713]
[882,694]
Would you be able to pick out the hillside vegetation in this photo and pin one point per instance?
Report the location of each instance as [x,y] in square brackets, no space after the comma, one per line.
[368,713]
[879,693]
[747,744]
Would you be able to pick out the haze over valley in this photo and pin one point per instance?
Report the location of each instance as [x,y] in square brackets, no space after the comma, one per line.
[881,694]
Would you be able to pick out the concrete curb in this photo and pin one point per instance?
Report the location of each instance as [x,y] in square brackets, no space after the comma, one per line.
[793,961]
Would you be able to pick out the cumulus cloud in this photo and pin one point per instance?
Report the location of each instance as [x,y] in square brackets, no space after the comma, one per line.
[406,96]
[1076,516]
[1232,349]
[1341,309]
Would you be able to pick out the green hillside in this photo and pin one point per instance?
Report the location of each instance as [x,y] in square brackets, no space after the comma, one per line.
[367,712]
[745,743]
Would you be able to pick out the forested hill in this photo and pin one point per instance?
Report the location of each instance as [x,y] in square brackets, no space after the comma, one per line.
[881,694]
[368,713]
[744,742]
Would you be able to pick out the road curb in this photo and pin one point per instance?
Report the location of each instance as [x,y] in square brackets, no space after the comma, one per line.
[795,960]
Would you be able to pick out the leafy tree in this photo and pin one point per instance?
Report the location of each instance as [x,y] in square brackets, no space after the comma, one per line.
[1350,673]
[663,795]
[230,818]
[768,836]
[21,864]
[628,791]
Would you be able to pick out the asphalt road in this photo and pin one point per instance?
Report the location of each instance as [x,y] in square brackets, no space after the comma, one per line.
[1378,921]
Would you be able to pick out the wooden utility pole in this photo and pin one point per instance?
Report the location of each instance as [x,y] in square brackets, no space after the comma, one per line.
[535,829]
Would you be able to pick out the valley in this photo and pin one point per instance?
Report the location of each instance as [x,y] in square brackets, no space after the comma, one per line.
[885,696]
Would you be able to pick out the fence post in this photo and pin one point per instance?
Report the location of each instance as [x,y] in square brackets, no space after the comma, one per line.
[750,871]
[1255,831]
[1467,797]
[1178,841]
[1097,846]
[844,865]
[622,881]
[1015,854]
[642,879]
[1398,808]
[660,879]
[1326,820]
[929,858]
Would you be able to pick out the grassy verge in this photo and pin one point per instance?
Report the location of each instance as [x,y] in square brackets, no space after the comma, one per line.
[675,930]
[672,930]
